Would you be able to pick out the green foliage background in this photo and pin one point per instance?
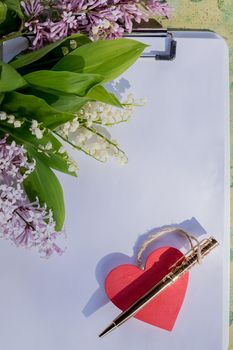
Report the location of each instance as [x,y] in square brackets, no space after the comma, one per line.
[216,15]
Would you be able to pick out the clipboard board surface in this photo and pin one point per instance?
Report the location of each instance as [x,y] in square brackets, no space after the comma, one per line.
[178,173]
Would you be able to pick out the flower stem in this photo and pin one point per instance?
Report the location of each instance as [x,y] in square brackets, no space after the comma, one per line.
[75,146]
[104,138]
[26,222]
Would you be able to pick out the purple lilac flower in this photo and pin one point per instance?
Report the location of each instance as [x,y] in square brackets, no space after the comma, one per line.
[160,8]
[25,224]
[13,159]
[129,12]
[32,8]
[99,19]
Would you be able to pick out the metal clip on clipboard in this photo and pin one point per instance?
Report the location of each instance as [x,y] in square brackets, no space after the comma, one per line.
[169,53]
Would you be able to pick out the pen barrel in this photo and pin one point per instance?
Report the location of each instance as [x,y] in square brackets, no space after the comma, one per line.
[178,269]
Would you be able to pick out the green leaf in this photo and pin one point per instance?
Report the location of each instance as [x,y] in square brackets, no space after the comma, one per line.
[33,56]
[10,79]
[3,12]
[2,95]
[51,157]
[47,55]
[44,184]
[63,82]
[99,93]
[33,107]
[10,27]
[69,103]
[109,58]
[14,5]
[12,21]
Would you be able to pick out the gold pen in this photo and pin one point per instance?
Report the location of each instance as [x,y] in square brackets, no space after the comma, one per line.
[177,270]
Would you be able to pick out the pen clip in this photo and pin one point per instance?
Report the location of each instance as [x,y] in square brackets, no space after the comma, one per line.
[196,251]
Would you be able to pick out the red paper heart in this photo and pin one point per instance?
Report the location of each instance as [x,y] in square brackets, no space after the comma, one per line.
[126,283]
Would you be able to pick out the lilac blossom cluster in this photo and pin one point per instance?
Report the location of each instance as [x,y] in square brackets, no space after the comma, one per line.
[52,20]
[25,224]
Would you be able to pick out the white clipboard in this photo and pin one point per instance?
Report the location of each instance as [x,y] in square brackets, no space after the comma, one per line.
[178,173]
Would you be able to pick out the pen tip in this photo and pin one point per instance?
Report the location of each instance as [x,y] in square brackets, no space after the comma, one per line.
[107,330]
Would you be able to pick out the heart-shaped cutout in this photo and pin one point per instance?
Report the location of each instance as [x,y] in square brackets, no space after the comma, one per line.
[127,283]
